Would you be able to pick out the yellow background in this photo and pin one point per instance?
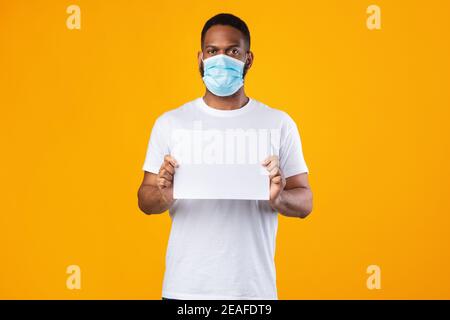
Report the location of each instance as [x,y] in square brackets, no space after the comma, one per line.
[77,107]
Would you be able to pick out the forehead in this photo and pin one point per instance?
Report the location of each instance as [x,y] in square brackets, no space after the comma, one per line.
[220,35]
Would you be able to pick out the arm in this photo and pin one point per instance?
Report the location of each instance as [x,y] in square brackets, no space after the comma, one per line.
[292,197]
[155,195]
[296,198]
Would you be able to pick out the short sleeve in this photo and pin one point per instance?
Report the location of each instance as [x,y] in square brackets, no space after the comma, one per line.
[158,146]
[292,161]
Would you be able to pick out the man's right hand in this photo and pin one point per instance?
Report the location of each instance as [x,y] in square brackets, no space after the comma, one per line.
[164,180]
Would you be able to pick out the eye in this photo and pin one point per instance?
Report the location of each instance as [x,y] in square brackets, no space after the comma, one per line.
[234,51]
[211,51]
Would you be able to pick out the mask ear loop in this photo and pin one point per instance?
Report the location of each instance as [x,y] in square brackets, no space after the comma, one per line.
[244,71]
[202,68]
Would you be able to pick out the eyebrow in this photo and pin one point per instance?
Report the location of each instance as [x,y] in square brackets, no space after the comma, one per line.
[215,47]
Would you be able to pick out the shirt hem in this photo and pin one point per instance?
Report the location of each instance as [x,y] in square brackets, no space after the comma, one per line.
[151,169]
[186,296]
[295,172]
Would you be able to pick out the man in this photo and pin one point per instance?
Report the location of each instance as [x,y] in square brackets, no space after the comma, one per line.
[224,249]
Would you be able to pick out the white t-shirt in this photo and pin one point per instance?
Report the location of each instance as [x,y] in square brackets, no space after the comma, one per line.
[223,249]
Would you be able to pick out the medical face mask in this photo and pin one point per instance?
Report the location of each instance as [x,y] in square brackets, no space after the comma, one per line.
[223,75]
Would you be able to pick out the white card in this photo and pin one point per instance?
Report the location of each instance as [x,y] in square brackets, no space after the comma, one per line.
[221,181]
[222,164]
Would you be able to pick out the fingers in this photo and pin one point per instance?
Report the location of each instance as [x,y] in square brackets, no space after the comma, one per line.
[166,172]
[171,160]
[165,178]
[168,166]
[275,172]
[163,183]
[166,175]
[271,162]
[277,180]
[272,165]
[268,160]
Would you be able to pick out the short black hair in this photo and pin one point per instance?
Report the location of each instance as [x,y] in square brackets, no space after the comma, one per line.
[227,19]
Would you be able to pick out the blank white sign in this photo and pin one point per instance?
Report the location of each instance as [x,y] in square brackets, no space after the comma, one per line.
[224,181]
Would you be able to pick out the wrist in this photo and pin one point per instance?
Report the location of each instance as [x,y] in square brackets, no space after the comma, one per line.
[166,200]
[276,202]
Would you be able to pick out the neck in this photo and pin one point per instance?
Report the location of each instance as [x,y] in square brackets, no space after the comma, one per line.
[235,101]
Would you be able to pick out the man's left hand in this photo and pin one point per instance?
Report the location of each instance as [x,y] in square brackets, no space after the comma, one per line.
[277,180]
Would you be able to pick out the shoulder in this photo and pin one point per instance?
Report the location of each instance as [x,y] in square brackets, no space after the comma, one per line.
[276,114]
[180,112]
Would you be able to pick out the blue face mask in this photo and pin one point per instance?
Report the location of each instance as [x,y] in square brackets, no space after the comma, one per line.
[223,75]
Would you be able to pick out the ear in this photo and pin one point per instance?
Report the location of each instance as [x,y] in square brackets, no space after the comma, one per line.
[200,62]
[249,61]
[199,58]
